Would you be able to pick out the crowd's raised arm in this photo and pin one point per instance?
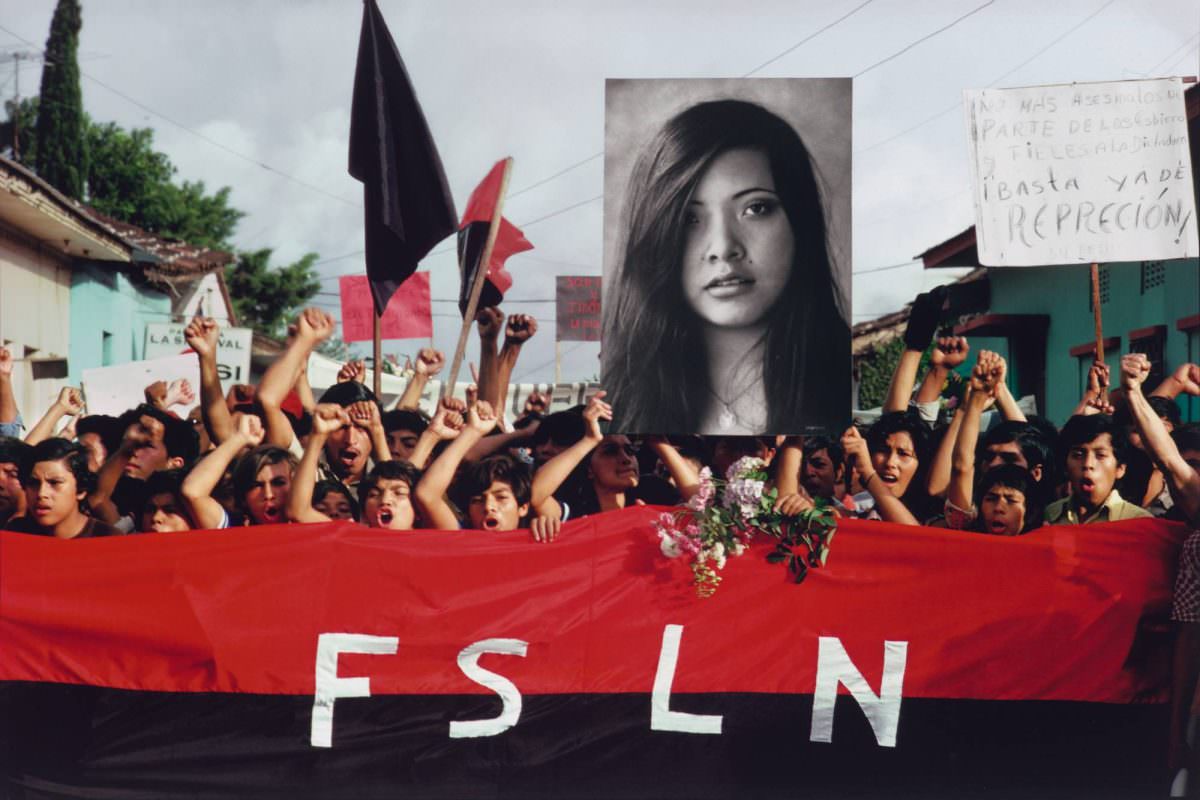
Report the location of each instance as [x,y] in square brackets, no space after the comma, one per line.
[273,454]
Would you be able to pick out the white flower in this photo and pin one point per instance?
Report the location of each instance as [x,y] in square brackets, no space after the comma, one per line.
[742,466]
[668,545]
[737,548]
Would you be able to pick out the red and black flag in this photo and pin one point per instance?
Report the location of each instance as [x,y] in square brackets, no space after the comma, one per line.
[345,662]
[472,238]
[407,202]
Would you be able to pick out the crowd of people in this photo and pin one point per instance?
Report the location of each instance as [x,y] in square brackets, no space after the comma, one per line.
[273,453]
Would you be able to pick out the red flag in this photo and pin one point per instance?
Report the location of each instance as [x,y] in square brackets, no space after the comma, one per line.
[408,314]
[472,236]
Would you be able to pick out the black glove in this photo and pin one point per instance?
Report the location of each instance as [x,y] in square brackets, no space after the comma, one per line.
[923,319]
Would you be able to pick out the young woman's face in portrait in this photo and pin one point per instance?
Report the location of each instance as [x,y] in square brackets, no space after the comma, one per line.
[738,243]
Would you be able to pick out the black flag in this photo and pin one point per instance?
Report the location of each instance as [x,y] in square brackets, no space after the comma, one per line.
[408,207]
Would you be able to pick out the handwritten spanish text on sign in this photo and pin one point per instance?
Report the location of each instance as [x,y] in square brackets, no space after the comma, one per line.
[1085,172]
[407,316]
[578,301]
[233,349]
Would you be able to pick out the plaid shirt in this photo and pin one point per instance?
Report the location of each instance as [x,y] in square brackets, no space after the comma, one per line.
[1186,605]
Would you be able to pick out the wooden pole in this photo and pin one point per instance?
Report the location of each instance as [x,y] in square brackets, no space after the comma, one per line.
[1096,311]
[557,362]
[377,380]
[477,286]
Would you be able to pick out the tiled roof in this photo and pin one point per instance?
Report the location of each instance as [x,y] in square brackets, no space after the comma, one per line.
[175,260]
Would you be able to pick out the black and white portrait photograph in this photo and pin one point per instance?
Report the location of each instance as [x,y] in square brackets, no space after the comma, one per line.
[727,255]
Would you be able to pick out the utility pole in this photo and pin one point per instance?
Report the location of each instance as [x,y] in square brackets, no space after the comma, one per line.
[28,55]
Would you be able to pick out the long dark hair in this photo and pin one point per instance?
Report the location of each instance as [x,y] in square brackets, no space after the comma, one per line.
[655,362]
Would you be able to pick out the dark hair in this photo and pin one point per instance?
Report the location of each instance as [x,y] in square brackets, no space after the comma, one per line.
[1081,429]
[348,393]
[1010,476]
[1163,408]
[388,471]
[179,437]
[562,427]
[655,364]
[73,455]
[102,425]
[1032,441]
[405,419]
[327,487]
[12,450]
[1187,437]
[915,498]
[813,444]
[474,479]
[245,471]
[166,481]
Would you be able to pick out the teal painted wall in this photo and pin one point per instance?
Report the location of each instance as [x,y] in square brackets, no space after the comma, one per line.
[1062,293]
[108,318]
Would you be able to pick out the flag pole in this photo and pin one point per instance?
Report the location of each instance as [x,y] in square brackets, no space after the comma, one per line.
[557,361]
[477,286]
[1099,328]
[378,343]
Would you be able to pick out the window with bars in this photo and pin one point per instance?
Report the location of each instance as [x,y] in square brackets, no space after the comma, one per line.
[1103,281]
[1154,274]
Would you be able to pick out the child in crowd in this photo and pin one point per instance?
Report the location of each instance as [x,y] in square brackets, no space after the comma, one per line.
[384,493]
[55,478]
[495,491]
[1093,456]
[261,479]
[164,509]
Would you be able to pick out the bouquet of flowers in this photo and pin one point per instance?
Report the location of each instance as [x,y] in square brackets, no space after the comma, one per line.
[722,517]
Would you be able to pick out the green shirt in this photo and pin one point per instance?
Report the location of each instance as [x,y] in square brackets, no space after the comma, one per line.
[1062,512]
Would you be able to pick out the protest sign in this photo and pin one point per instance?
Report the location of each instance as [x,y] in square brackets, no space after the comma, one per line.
[408,314]
[233,350]
[577,298]
[1081,173]
[116,389]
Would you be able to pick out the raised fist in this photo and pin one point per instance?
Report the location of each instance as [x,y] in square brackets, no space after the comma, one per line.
[352,371]
[429,362]
[328,418]
[949,352]
[596,410]
[491,320]
[519,329]
[202,335]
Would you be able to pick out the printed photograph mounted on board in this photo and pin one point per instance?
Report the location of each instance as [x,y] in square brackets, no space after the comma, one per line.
[727,255]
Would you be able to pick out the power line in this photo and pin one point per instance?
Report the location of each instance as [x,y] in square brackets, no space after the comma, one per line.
[221,146]
[908,263]
[1172,54]
[958,103]
[808,38]
[771,60]
[925,38]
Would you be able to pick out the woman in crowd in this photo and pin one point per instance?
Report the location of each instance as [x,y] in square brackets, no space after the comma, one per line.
[724,316]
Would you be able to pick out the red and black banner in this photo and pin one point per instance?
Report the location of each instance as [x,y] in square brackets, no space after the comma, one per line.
[336,661]
[472,238]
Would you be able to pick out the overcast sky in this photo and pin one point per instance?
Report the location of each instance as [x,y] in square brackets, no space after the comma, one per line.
[255,95]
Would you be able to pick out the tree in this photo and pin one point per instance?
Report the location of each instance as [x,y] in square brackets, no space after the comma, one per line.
[131,181]
[875,371]
[20,128]
[62,158]
[267,298]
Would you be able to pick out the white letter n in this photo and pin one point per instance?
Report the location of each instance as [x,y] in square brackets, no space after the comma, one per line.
[883,711]
[662,718]
[330,686]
